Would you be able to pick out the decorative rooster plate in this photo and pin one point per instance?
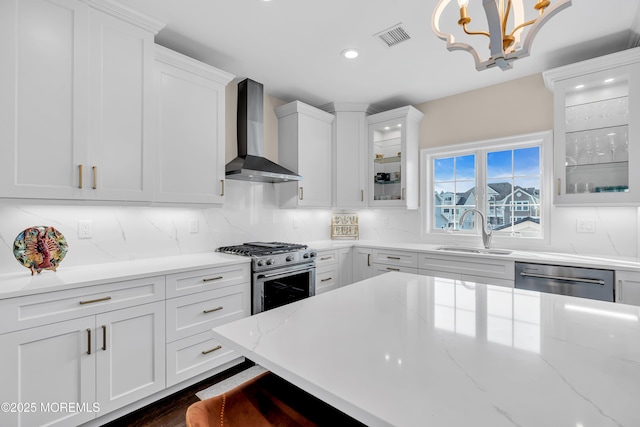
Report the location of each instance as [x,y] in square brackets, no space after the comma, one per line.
[40,248]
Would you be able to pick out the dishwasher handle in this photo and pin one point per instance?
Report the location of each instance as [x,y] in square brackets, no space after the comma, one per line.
[567,279]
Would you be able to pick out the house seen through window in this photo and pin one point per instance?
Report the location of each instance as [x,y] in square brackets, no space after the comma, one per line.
[503,182]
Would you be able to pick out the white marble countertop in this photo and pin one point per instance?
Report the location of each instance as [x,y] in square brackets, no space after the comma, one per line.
[592,261]
[408,350]
[19,284]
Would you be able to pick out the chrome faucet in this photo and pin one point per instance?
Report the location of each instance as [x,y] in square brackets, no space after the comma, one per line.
[487,231]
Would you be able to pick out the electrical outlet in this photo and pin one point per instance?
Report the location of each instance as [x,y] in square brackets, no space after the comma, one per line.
[385,221]
[585,225]
[85,229]
[295,222]
[194,226]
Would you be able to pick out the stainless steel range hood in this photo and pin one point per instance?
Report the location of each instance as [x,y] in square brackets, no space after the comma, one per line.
[250,165]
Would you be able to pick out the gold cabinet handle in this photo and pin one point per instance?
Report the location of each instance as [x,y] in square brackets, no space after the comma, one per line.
[559,186]
[91,301]
[88,341]
[301,193]
[393,257]
[95,177]
[324,258]
[211,279]
[368,260]
[104,337]
[393,269]
[212,350]
[222,187]
[403,195]
[212,310]
[327,279]
[79,176]
[362,195]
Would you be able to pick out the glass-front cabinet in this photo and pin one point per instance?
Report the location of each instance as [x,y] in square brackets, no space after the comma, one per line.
[596,152]
[393,156]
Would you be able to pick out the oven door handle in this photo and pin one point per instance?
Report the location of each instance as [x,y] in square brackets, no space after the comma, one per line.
[283,273]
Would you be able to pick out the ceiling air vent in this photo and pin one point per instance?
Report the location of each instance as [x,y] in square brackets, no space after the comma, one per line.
[394,35]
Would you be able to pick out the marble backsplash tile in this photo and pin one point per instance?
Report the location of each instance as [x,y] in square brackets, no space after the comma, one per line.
[251,213]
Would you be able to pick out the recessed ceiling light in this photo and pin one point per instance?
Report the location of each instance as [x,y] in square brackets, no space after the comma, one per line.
[350,53]
[609,80]
[579,86]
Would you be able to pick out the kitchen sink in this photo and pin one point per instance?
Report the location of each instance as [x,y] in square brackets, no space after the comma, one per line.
[473,250]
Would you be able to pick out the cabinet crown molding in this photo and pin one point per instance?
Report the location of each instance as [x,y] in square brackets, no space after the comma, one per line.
[613,60]
[351,107]
[302,108]
[172,57]
[409,111]
[127,14]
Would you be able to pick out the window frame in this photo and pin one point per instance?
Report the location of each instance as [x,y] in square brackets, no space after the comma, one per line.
[431,234]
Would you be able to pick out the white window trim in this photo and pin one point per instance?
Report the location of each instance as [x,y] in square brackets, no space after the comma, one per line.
[544,139]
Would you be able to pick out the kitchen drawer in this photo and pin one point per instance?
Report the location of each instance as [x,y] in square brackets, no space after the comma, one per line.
[195,355]
[327,278]
[395,257]
[49,307]
[191,314]
[211,278]
[476,267]
[382,268]
[467,277]
[327,257]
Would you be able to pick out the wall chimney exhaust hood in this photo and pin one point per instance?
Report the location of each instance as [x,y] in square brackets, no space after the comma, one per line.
[250,165]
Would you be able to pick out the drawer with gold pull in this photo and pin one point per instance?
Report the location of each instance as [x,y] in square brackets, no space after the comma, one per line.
[48,307]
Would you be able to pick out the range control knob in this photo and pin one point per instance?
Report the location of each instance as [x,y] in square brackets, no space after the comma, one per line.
[260,263]
[271,261]
[290,258]
[313,254]
[306,255]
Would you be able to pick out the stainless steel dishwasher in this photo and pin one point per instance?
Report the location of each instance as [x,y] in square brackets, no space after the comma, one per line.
[558,279]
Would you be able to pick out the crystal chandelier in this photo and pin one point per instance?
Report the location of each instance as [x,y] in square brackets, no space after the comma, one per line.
[505,45]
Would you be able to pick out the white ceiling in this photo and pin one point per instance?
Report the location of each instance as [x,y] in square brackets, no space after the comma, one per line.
[293,46]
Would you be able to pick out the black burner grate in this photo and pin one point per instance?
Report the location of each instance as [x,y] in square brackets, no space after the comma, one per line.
[261,248]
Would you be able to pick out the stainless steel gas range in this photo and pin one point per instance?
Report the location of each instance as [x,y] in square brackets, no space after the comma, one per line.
[281,272]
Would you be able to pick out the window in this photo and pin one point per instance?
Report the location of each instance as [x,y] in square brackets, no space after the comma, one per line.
[503,179]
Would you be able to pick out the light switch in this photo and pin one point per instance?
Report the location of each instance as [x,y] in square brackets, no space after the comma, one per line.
[194,226]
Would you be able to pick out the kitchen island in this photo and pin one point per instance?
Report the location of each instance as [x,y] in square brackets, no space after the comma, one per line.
[408,350]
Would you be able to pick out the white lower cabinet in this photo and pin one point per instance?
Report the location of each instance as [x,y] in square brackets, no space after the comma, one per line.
[208,298]
[327,270]
[627,289]
[369,262]
[476,269]
[129,355]
[345,256]
[100,362]
[35,359]
[101,348]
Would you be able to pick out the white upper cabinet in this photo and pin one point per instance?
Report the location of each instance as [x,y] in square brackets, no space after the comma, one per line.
[596,119]
[393,158]
[349,154]
[190,104]
[74,122]
[304,147]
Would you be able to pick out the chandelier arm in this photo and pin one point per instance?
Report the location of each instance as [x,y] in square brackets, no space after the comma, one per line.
[505,17]
[475,33]
[524,24]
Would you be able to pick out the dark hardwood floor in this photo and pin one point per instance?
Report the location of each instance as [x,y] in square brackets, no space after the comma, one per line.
[170,411]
